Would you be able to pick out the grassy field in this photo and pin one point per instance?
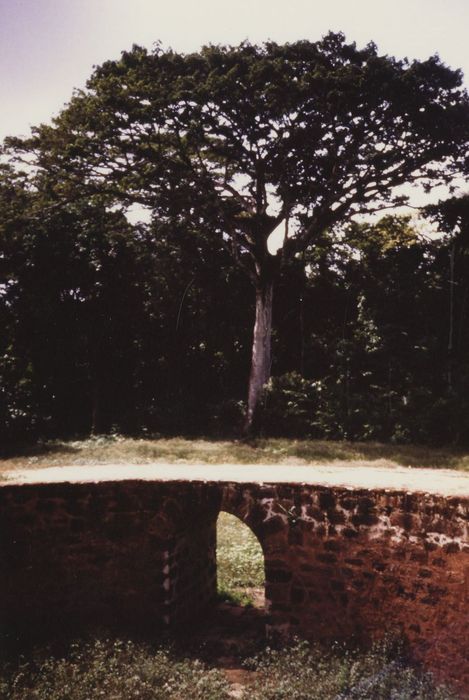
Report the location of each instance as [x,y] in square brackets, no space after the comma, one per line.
[240,562]
[266,451]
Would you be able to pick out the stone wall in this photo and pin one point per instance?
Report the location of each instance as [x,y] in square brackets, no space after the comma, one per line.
[347,564]
[126,555]
[340,563]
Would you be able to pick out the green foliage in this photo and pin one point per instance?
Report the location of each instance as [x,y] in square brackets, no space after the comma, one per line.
[369,327]
[146,329]
[234,596]
[240,560]
[223,146]
[302,121]
[121,670]
[452,217]
[117,670]
[309,673]
[289,405]
[100,329]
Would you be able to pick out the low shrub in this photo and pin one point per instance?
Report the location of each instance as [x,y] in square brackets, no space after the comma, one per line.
[113,671]
[120,670]
[288,407]
[304,672]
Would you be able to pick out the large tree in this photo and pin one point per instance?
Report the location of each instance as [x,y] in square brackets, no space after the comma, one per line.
[243,140]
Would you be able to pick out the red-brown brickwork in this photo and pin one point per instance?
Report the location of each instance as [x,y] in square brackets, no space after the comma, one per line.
[341,563]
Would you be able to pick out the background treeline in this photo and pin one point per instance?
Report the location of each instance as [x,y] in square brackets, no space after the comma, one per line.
[148,328]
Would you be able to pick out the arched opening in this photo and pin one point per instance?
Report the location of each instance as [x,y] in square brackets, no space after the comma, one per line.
[240,563]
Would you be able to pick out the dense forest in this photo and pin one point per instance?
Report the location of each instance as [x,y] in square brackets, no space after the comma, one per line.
[109,326]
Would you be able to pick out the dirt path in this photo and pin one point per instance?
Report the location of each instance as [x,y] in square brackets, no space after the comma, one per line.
[348,474]
[231,634]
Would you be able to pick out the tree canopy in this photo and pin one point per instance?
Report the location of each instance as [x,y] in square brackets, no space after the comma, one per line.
[244,137]
[236,141]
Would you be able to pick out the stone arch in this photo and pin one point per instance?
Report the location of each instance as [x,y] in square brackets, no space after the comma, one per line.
[258,507]
[262,508]
[340,562]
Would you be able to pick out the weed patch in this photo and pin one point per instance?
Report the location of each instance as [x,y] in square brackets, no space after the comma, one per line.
[304,672]
[113,670]
[118,670]
[240,561]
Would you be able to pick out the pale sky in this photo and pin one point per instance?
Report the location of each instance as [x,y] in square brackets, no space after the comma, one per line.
[48,47]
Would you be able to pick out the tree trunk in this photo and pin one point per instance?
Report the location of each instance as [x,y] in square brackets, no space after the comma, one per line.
[261,350]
